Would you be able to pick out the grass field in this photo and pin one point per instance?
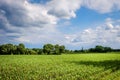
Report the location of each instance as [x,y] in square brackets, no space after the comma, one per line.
[60,67]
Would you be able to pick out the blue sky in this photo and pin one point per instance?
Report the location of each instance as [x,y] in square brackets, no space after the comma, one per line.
[73,23]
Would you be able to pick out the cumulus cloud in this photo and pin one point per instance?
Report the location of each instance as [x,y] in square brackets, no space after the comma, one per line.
[63,8]
[87,36]
[102,6]
[106,34]
[23,13]
[18,19]
[23,21]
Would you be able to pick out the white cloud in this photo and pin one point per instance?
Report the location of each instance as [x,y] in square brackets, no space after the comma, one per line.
[107,34]
[63,8]
[87,36]
[22,21]
[102,6]
[25,22]
[21,13]
[36,35]
[38,13]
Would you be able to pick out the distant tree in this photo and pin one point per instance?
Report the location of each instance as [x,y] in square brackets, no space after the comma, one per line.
[76,51]
[38,50]
[7,49]
[48,48]
[69,51]
[4,49]
[31,52]
[99,48]
[21,49]
[82,50]
[92,50]
[62,49]
[107,49]
[57,49]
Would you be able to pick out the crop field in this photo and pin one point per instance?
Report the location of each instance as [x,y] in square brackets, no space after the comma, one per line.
[60,67]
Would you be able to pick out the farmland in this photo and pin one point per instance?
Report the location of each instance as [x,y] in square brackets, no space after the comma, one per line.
[60,67]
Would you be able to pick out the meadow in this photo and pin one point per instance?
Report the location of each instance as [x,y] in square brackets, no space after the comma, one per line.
[60,67]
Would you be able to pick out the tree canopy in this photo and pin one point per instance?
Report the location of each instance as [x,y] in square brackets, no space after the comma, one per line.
[47,49]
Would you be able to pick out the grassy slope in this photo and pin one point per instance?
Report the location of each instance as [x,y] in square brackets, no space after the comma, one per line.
[71,67]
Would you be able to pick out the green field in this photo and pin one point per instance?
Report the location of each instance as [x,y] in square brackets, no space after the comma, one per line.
[60,67]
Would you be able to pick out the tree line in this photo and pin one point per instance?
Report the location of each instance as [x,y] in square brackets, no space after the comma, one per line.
[20,49]
[97,49]
[49,49]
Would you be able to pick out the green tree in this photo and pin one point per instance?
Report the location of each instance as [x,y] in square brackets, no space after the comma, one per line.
[48,49]
[62,49]
[99,48]
[32,52]
[7,49]
[38,50]
[3,49]
[57,49]
[107,49]
[21,49]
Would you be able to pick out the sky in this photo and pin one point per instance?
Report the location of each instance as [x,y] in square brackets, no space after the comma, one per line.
[73,23]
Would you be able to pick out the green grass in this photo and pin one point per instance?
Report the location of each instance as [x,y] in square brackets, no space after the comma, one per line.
[60,67]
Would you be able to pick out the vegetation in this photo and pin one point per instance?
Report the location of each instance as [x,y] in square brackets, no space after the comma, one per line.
[97,49]
[48,49]
[63,67]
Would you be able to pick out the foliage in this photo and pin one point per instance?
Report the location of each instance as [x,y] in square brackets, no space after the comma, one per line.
[101,49]
[48,49]
[97,49]
[7,49]
[64,67]
[21,49]
[53,49]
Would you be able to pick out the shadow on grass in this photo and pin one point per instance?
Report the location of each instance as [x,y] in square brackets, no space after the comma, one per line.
[114,65]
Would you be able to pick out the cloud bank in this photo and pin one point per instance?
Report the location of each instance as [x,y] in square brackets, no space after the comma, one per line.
[107,34]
